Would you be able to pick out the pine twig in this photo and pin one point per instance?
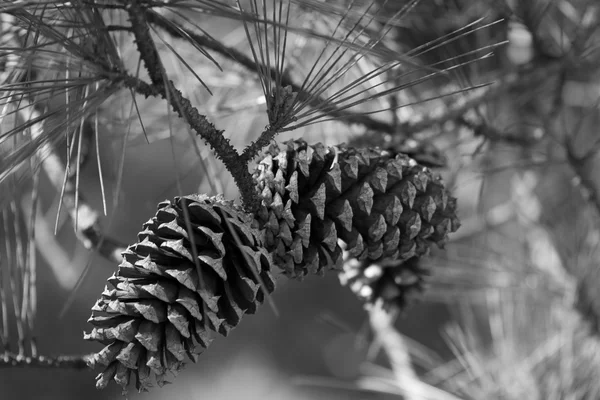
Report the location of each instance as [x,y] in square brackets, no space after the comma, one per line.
[391,340]
[254,148]
[184,108]
[145,44]
[10,360]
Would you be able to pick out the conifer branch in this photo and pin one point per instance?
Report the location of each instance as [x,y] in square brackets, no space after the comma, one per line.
[10,360]
[286,80]
[184,108]
[254,148]
[531,77]
[144,42]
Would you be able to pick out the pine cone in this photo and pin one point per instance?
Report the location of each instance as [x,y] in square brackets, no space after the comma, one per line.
[382,207]
[424,152]
[160,305]
[393,282]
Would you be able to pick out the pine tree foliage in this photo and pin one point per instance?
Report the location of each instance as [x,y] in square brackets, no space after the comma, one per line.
[499,97]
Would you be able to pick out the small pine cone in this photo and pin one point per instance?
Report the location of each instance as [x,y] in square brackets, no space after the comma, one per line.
[382,207]
[161,305]
[393,282]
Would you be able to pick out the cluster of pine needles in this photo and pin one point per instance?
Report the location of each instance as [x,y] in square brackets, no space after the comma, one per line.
[501,97]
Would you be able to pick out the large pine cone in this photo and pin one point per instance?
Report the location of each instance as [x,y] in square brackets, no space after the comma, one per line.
[383,207]
[161,304]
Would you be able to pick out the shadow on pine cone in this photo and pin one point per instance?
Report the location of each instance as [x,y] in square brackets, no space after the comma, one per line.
[201,263]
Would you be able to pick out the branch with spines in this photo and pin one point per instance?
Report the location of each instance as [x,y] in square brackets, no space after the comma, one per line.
[182,106]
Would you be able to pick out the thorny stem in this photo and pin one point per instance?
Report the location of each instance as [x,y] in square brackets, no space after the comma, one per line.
[221,145]
[145,43]
[254,148]
[10,360]
[183,107]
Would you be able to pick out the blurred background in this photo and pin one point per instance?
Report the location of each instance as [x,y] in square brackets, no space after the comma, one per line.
[510,310]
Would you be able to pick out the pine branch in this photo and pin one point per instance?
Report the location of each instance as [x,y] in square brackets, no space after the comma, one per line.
[183,107]
[531,77]
[145,44]
[254,148]
[286,80]
[10,360]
